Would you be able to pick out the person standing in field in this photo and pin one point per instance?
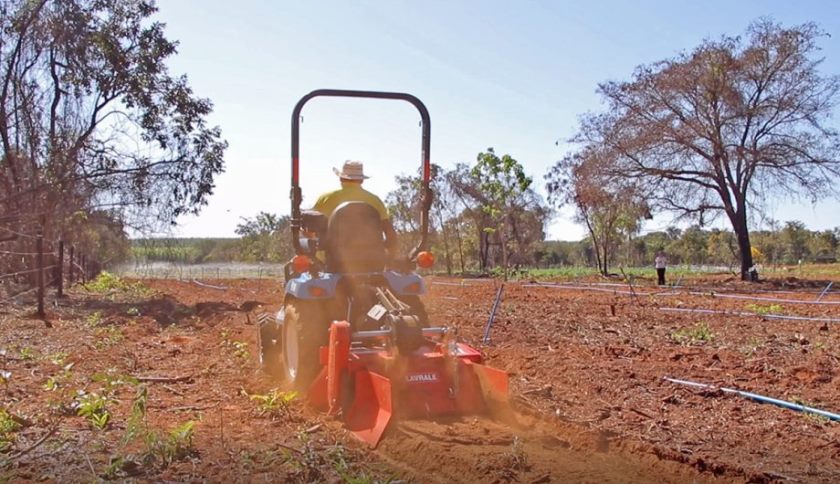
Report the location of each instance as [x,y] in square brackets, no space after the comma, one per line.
[660,262]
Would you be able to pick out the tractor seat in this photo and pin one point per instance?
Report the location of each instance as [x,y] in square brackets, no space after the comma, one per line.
[354,242]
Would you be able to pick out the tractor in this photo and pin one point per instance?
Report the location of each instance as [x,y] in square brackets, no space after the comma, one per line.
[353,334]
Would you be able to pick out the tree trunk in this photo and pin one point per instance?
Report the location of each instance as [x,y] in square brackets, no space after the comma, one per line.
[460,246]
[447,256]
[742,234]
[483,249]
[503,241]
[605,270]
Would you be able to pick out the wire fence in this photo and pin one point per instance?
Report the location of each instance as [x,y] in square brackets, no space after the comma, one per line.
[186,272]
[24,271]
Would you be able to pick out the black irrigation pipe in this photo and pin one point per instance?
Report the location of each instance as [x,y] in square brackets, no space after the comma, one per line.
[209,286]
[760,298]
[691,293]
[486,338]
[600,289]
[694,310]
[825,291]
[758,398]
[461,284]
[746,313]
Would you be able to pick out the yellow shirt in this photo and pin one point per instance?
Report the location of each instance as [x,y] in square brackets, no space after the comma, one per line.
[349,192]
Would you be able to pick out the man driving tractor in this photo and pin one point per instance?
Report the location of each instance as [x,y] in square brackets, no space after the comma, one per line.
[352,175]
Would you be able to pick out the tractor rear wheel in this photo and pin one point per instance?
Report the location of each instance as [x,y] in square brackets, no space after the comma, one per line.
[305,330]
[270,340]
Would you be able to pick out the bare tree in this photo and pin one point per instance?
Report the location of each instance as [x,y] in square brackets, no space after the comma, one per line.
[91,120]
[725,126]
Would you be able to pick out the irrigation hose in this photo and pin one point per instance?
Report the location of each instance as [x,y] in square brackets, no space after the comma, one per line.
[759,398]
[748,314]
[486,339]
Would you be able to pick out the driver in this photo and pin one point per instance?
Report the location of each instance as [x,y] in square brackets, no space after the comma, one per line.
[352,175]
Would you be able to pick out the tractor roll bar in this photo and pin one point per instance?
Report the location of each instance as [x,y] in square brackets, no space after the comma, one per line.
[424,158]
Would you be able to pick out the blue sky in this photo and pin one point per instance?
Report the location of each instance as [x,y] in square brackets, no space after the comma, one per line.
[511,75]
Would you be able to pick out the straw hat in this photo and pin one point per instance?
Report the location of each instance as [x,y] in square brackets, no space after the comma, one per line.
[352,170]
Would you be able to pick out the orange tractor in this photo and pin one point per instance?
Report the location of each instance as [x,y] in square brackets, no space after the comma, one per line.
[353,333]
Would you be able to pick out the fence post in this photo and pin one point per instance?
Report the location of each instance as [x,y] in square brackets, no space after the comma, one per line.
[59,283]
[70,277]
[39,274]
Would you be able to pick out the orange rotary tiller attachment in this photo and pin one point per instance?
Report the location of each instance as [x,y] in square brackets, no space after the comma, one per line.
[367,383]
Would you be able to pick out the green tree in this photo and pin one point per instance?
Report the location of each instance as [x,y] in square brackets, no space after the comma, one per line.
[721,247]
[502,180]
[522,219]
[692,245]
[265,238]
[795,240]
[718,129]
[822,246]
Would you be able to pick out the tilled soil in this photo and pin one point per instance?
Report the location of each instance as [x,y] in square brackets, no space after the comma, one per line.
[598,360]
[586,368]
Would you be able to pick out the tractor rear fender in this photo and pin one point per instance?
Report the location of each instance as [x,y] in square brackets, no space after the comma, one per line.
[304,286]
[410,284]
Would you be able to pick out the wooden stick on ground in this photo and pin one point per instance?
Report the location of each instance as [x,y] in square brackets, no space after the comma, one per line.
[34,446]
[163,379]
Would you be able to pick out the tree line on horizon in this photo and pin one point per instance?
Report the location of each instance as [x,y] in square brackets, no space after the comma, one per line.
[265,238]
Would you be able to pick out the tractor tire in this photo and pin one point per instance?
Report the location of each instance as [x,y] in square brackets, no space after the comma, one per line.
[417,308]
[305,330]
[270,345]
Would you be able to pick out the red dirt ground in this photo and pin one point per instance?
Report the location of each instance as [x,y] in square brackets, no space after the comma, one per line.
[586,375]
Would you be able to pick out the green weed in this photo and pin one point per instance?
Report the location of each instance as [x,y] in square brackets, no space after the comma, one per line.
[751,347]
[167,448]
[8,427]
[111,380]
[27,354]
[815,418]
[346,472]
[94,319]
[94,407]
[58,358]
[765,309]
[108,336]
[239,348]
[699,334]
[108,283]
[58,380]
[274,404]
[158,448]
